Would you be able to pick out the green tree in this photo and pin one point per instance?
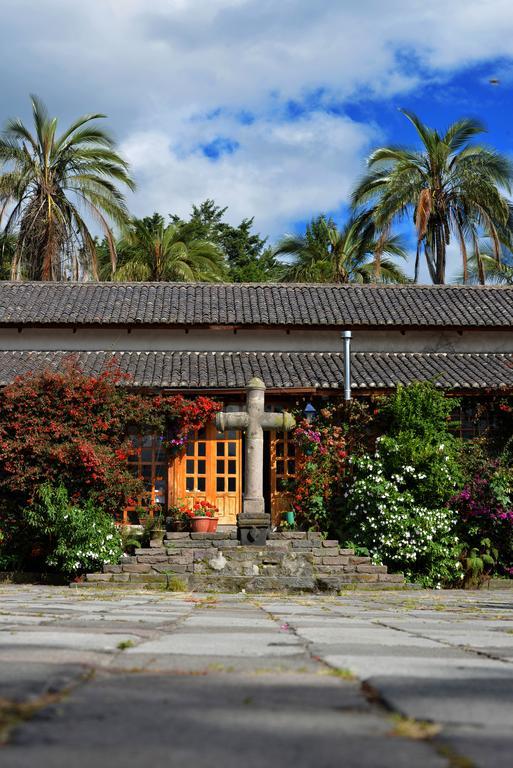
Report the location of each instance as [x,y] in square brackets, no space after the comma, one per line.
[152,250]
[245,252]
[494,272]
[348,255]
[50,181]
[8,244]
[451,186]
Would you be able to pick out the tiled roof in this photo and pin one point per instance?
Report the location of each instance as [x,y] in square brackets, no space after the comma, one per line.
[195,304]
[279,370]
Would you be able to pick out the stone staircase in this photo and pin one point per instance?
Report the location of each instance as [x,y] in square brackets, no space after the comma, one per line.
[290,562]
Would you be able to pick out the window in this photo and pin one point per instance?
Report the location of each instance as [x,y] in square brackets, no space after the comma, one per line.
[149,462]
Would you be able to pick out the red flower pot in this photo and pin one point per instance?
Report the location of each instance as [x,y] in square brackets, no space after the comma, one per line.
[213,524]
[200,524]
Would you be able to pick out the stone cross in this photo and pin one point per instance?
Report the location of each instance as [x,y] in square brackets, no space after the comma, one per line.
[253,523]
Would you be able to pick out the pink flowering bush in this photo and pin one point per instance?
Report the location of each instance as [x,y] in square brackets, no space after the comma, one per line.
[485,511]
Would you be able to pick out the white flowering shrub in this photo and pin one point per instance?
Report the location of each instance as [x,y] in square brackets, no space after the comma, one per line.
[75,537]
[382,515]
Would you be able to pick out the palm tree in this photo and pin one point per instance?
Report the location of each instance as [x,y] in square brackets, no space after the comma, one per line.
[451,186]
[49,183]
[348,255]
[495,273]
[8,244]
[155,251]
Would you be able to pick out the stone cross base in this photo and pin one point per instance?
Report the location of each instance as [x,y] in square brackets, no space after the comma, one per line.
[253,528]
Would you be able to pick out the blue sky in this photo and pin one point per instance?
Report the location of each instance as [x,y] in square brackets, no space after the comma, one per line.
[267,107]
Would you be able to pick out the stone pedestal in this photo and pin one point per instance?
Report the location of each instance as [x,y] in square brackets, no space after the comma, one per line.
[253,529]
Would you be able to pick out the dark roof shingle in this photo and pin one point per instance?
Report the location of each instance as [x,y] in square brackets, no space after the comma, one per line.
[279,370]
[197,304]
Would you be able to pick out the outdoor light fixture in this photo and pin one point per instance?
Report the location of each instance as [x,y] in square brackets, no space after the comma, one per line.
[309,413]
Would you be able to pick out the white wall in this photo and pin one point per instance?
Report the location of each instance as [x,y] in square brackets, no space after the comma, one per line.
[141,339]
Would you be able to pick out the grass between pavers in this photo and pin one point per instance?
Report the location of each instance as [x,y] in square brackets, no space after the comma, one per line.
[409,728]
[14,713]
[124,644]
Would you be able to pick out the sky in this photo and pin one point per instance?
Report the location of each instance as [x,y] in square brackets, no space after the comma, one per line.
[269,107]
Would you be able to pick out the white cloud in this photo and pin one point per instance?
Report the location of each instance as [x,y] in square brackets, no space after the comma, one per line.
[281,171]
[153,66]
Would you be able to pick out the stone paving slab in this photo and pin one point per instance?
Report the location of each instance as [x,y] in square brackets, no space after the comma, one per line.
[208,721]
[169,679]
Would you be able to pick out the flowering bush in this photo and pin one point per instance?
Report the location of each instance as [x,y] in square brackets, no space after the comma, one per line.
[74,537]
[321,460]
[382,515]
[202,509]
[485,508]
[70,428]
[395,501]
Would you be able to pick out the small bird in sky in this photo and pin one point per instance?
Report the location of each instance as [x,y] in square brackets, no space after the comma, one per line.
[494,81]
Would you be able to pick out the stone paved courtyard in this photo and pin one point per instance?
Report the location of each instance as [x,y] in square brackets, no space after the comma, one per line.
[368,679]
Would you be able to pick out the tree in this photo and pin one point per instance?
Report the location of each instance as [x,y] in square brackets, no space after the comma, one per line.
[155,251]
[487,267]
[247,257]
[451,186]
[51,182]
[8,244]
[348,255]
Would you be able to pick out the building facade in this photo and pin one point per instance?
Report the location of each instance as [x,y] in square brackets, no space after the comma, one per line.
[212,339]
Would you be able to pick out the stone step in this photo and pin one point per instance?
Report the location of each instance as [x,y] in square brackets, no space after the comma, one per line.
[290,561]
[250,584]
[175,536]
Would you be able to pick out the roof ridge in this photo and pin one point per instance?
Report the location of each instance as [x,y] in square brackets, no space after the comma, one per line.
[178,284]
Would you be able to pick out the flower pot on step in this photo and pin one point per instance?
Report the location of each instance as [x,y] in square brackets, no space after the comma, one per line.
[200,524]
[213,524]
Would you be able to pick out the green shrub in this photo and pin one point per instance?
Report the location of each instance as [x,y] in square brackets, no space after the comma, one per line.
[418,439]
[75,537]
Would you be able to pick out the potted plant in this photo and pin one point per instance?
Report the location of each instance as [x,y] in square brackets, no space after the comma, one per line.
[177,519]
[154,527]
[130,540]
[203,517]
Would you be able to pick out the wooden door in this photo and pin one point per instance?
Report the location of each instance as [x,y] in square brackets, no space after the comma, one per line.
[283,473]
[210,469]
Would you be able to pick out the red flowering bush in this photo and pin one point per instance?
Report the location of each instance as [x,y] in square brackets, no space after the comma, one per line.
[66,427]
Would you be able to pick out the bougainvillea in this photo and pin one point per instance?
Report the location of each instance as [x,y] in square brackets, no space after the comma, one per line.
[321,460]
[66,427]
[485,511]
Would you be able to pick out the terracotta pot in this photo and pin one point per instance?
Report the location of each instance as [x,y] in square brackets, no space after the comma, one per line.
[200,524]
[213,524]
